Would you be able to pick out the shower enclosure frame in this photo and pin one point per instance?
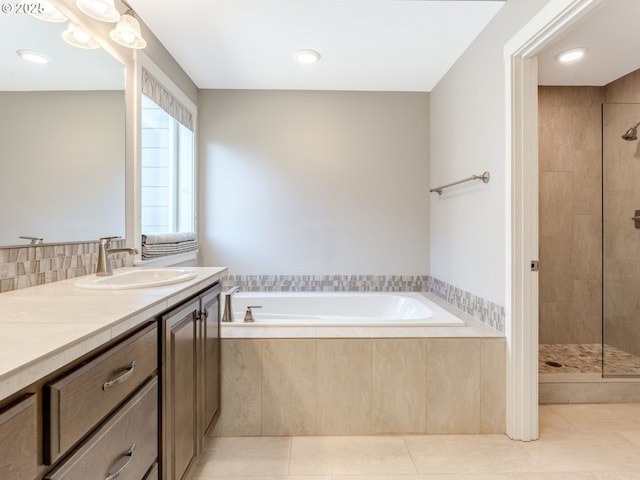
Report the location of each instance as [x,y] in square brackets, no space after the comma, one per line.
[620,348]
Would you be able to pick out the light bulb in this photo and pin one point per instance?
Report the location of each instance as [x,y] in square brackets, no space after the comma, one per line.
[572,55]
[307,56]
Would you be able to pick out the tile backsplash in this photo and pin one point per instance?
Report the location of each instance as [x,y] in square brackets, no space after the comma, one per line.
[329,283]
[487,312]
[30,265]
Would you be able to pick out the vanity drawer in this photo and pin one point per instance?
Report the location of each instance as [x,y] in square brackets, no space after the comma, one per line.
[124,447]
[18,440]
[153,472]
[76,403]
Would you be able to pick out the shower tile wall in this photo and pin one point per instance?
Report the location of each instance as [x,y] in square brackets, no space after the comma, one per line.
[622,198]
[570,206]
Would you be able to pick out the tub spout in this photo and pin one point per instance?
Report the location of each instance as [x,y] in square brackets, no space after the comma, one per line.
[227,314]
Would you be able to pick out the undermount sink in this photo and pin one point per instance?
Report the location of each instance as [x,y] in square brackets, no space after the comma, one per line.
[139,278]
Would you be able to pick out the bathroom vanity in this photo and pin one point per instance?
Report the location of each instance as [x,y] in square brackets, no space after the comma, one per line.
[108,384]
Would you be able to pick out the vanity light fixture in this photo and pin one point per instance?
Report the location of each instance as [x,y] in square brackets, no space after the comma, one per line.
[74,35]
[573,55]
[103,10]
[33,56]
[307,56]
[46,12]
[127,32]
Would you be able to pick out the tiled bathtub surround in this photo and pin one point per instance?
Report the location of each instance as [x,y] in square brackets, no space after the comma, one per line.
[30,265]
[487,312]
[362,386]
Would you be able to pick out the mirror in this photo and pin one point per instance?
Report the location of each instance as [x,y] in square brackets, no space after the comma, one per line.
[62,137]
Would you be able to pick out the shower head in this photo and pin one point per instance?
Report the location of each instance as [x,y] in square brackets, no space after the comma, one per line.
[632,133]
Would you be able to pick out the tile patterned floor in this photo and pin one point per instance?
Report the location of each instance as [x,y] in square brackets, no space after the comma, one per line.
[577,442]
[586,358]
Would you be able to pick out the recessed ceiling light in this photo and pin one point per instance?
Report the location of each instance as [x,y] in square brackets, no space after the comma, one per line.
[307,56]
[32,56]
[572,55]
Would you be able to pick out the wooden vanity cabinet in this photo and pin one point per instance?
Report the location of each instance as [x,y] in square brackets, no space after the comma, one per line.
[19,440]
[210,360]
[86,415]
[124,447]
[79,400]
[190,357]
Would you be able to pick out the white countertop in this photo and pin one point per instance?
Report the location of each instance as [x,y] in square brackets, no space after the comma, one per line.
[44,328]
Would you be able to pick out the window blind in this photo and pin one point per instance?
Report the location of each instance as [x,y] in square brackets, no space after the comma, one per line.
[156,92]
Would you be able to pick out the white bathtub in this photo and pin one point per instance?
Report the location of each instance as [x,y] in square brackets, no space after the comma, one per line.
[297,309]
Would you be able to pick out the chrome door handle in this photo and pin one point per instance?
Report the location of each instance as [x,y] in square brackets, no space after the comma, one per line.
[130,368]
[129,453]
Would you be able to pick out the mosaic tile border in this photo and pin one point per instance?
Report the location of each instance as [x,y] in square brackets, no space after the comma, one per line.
[487,312]
[329,283]
[31,265]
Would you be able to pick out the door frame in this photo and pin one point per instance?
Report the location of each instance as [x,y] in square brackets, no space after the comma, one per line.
[521,177]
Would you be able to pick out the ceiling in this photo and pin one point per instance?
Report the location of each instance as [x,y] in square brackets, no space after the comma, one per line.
[377,45]
[371,45]
[71,68]
[611,33]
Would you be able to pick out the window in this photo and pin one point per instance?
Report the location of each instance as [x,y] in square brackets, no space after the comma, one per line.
[167,175]
[166,230]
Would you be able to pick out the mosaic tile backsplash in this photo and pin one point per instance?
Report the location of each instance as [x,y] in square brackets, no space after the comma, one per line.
[487,312]
[30,265]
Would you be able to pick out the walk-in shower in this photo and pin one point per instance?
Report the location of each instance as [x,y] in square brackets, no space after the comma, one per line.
[589,281]
[620,241]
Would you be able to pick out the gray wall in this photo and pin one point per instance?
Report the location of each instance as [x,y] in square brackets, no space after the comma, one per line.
[468,237]
[313,182]
[63,165]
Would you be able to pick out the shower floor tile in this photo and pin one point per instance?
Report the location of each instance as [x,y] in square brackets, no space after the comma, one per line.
[585,358]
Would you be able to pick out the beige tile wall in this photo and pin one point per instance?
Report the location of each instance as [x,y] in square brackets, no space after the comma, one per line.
[572,186]
[570,214]
[362,386]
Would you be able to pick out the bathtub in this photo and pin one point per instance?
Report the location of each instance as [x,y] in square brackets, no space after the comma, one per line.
[336,309]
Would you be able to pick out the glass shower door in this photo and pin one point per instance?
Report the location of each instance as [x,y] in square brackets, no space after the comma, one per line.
[620,240]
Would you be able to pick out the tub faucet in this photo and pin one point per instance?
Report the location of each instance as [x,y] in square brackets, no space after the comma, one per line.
[227,315]
[104,268]
[248,317]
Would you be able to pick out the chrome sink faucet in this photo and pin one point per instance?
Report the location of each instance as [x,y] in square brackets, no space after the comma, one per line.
[227,314]
[104,268]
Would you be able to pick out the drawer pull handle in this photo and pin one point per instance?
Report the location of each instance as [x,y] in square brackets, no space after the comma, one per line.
[130,368]
[128,453]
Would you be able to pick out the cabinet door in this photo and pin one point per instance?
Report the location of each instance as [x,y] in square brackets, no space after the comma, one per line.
[18,440]
[179,390]
[210,371]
